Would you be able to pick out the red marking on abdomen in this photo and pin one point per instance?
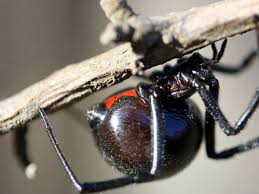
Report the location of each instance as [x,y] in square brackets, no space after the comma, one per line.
[112,99]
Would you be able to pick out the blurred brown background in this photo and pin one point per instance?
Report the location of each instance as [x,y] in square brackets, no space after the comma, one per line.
[40,36]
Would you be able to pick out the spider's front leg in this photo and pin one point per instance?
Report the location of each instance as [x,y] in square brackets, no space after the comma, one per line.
[157,145]
[229,69]
[157,127]
[247,61]
[213,112]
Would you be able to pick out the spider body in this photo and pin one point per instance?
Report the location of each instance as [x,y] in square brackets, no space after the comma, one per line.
[154,130]
[123,133]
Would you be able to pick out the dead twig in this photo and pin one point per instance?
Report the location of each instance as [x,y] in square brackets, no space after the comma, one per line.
[154,40]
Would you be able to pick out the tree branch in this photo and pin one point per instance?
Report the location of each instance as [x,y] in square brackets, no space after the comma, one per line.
[154,40]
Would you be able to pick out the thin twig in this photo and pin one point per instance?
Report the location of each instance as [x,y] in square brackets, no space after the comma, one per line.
[154,40]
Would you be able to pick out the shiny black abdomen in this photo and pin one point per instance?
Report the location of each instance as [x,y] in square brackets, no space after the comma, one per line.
[125,141]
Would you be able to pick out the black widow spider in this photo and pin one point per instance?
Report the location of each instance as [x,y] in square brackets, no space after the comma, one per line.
[154,131]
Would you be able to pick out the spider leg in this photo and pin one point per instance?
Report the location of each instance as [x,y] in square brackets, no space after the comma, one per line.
[119,182]
[157,135]
[157,128]
[82,187]
[247,61]
[210,134]
[214,51]
[21,152]
[213,107]
[218,55]
[222,50]
[214,113]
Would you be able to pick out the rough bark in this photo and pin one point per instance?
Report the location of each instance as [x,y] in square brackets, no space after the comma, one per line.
[153,41]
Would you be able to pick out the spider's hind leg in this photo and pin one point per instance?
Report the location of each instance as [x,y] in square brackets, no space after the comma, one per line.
[21,152]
